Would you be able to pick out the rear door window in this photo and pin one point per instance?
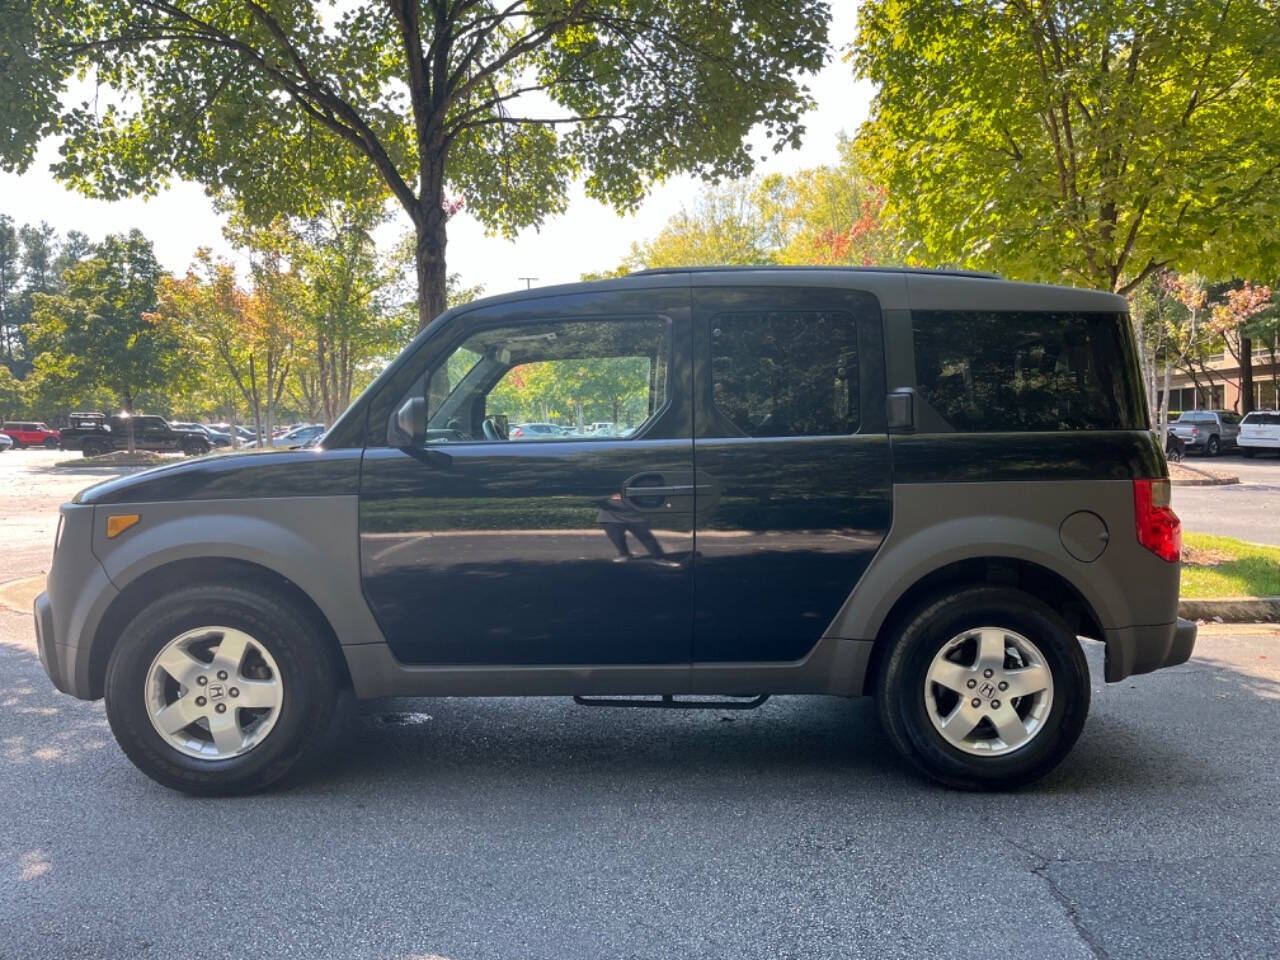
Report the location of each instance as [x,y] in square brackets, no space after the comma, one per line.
[785,373]
[1002,371]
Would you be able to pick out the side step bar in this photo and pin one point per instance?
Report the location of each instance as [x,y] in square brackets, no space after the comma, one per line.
[669,702]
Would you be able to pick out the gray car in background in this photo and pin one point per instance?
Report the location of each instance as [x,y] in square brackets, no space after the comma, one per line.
[1209,431]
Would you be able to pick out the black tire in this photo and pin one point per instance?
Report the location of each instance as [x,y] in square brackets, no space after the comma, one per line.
[93,448]
[1212,447]
[308,672]
[195,449]
[1247,452]
[901,682]
[51,443]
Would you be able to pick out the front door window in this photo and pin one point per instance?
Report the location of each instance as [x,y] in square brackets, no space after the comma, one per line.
[558,380]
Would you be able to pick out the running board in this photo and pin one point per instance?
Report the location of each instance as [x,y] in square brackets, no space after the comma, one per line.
[669,702]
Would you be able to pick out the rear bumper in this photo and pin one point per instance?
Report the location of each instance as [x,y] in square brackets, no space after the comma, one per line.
[1132,650]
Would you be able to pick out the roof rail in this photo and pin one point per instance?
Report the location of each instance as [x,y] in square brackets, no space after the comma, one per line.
[926,271]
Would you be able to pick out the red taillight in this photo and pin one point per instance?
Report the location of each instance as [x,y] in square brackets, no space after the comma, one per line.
[1159,529]
[1195,431]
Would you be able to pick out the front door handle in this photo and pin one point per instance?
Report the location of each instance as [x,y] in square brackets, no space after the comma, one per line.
[671,490]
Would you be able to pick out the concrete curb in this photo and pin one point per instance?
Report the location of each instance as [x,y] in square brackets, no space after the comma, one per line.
[19,595]
[1232,609]
[1202,479]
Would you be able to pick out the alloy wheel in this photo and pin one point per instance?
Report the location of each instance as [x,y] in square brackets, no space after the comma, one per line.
[214,693]
[988,691]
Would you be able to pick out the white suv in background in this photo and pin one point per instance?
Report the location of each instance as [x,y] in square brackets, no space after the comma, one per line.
[1259,430]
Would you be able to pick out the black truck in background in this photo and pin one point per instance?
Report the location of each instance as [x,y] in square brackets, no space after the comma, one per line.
[95,434]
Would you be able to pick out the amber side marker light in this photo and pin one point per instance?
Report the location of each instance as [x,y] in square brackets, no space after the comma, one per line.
[119,523]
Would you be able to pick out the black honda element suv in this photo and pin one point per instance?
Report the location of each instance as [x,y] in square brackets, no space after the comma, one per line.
[921,486]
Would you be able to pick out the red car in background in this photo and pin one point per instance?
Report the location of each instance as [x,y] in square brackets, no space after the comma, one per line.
[27,433]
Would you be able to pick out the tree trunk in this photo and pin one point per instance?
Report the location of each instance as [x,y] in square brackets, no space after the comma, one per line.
[433,277]
[1246,375]
[1164,404]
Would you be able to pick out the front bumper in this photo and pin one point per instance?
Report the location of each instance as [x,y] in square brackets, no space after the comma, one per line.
[67,614]
[1133,650]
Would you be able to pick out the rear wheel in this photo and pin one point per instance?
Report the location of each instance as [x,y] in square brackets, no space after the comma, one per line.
[220,689]
[985,688]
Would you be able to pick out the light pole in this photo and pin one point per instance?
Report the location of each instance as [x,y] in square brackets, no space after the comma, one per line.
[528,282]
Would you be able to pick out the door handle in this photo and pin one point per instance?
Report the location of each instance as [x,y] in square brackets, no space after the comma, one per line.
[671,490]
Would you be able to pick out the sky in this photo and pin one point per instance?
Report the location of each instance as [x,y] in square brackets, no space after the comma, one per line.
[589,236]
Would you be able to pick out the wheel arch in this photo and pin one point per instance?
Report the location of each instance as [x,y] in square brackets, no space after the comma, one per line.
[1018,573]
[160,579]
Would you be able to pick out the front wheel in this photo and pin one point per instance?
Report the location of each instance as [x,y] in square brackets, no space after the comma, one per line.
[51,443]
[1247,452]
[220,689]
[195,449]
[1212,447]
[986,688]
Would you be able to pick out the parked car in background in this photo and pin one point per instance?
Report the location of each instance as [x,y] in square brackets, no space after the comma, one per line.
[28,433]
[94,434]
[535,431]
[1207,431]
[6,442]
[1259,430]
[216,437]
[244,433]
[293,439]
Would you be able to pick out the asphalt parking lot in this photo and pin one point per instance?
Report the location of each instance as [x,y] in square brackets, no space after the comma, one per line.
[1249,510]
[458,828]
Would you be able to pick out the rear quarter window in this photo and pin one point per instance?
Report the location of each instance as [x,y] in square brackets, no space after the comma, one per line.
[1024,371]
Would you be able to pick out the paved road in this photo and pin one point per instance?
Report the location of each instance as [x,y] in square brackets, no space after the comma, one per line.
[1249,510]
[533,828]
[508,828]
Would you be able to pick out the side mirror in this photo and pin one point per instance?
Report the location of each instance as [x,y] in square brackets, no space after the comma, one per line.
[408,427]
[900,410]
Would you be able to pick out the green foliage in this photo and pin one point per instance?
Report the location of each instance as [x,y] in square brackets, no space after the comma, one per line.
[1095,141]
[724,227]
[826,215]
[291,103]
[12,395]
[97,333]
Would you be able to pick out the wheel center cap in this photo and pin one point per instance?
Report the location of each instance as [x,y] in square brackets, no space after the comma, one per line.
[216,691]
[986,690]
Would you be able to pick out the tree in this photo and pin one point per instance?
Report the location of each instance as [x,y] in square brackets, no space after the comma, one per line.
[820,216]
[1229,320]
[348,312]
[11,394]
[251,333]
[502,103]
[1093,140]
[828,215]
[99,330]
[10,295]
[724,226]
